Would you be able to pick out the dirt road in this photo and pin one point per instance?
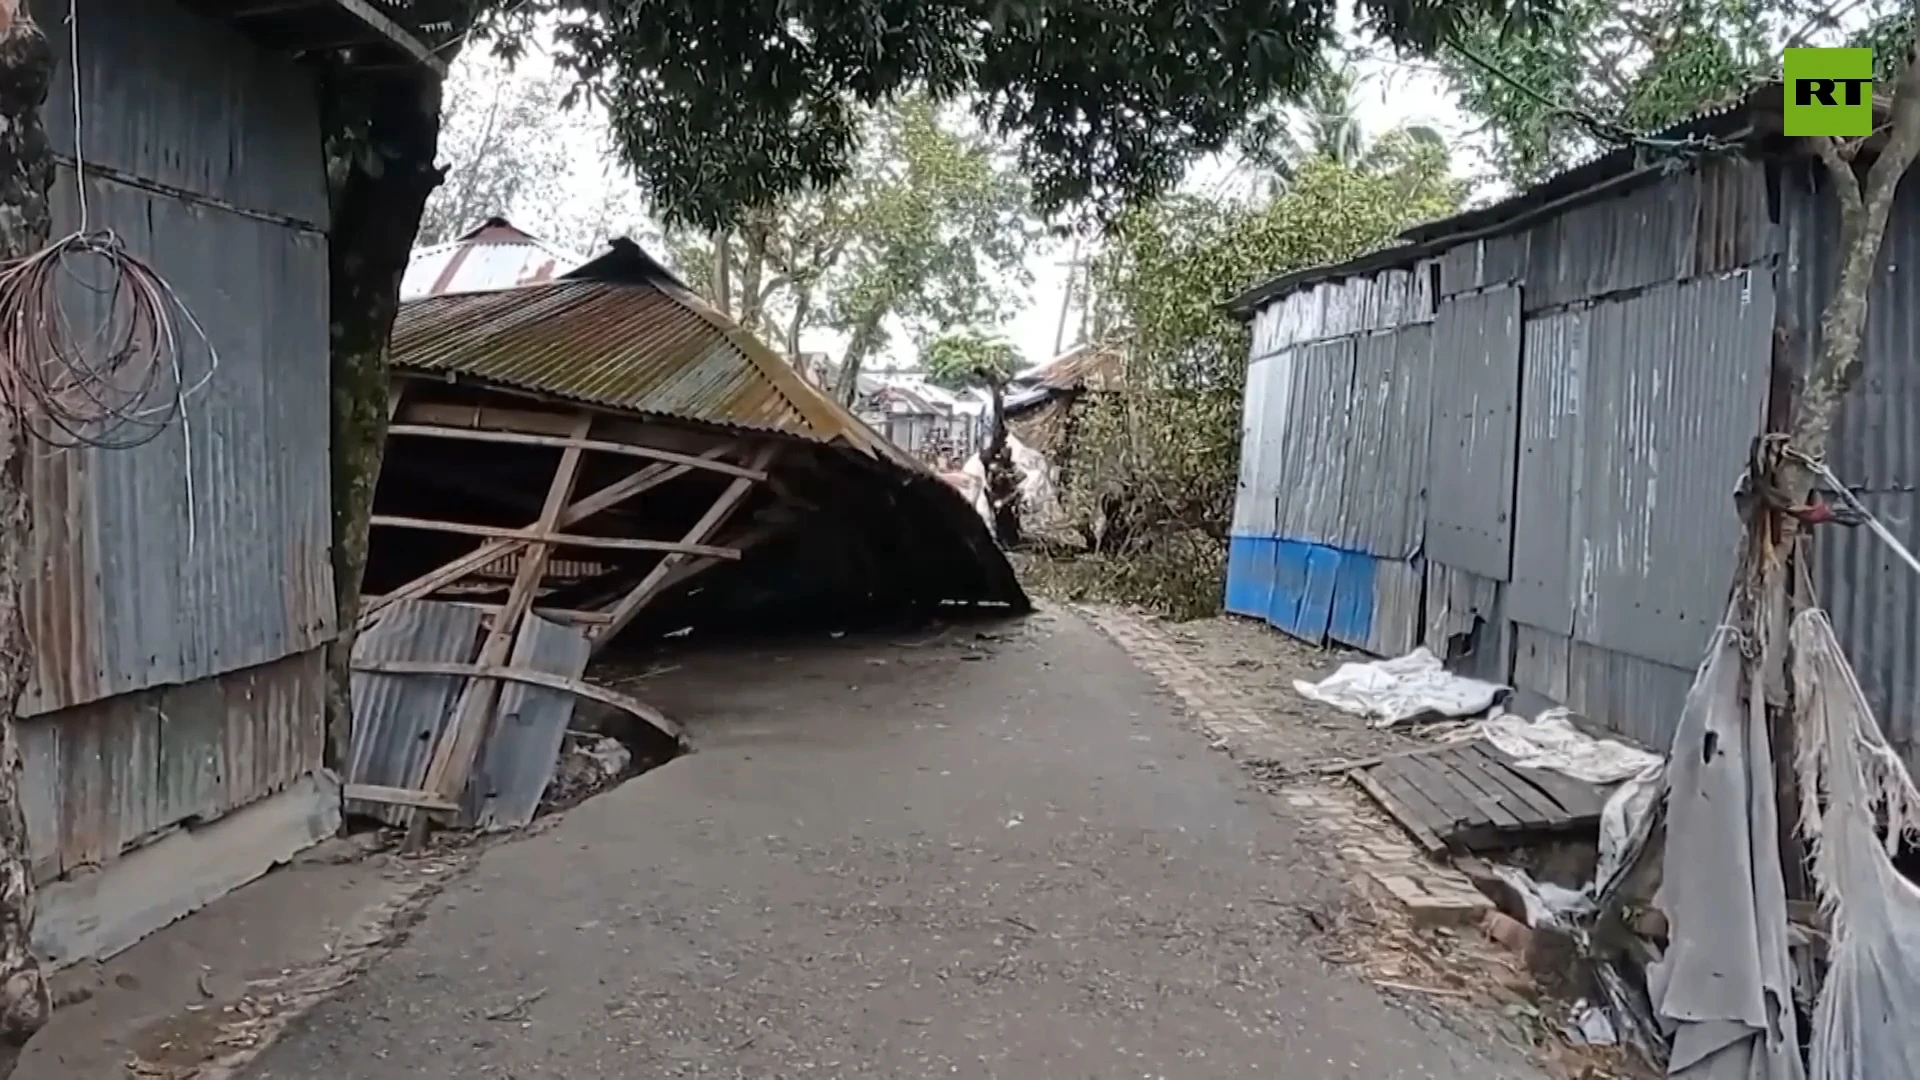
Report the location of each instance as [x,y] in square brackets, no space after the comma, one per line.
[962,858]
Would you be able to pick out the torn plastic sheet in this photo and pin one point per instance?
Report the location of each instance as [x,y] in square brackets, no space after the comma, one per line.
[1862,1023]
[1401,690]
[1550,741]
[1724,986]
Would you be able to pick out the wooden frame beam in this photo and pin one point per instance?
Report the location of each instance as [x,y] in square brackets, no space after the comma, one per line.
[617,492]
[395,796]
[569,616]
[629,606]
[517,438]
[547,538]
[547,679]
[395,33]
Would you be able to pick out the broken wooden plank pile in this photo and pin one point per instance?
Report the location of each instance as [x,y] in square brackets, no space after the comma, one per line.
[1472,797]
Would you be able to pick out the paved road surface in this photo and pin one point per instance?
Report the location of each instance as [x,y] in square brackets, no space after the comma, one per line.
[889,862]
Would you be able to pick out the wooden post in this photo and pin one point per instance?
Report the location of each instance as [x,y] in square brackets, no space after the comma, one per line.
[716,516]
[26,172]
[453,757]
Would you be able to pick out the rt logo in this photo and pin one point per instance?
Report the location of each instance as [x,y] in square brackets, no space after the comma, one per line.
[1829,92]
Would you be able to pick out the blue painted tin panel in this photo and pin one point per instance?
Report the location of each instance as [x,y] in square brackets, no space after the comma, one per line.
[1316,604]
[1353,600]
[1289,583]
[1249,575]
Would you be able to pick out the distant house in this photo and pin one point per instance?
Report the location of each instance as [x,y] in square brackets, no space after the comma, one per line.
[491,255]
[928,421]
[181,596]
[1041,402]
[1515,437]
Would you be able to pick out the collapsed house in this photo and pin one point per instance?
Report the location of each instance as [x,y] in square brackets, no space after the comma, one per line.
[179,594]
[598,455]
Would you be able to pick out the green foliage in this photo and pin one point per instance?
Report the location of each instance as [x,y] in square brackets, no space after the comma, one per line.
[1154,464]
[960,360]
[930,230]
[721,108]
[1643,64]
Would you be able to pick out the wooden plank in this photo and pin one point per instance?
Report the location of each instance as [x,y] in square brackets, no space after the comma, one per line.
[1545,806]
[517,438]
[1399,812]
[1580,799]
[578,687]
[394,32]
[1431,816]
[613,494]
[393,796]
[568,616]
[1460,813]
[491,417]
[1576,798]
[1448,764]
[629,606]
[550,537]
[1528,813]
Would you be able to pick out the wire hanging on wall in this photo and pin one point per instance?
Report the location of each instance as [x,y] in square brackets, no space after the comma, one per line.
[108,376]
[90,353]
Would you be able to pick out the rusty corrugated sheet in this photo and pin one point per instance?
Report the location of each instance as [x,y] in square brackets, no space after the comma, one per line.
[206,111]
[204,550]
[529,725]
[397,718]
[1675,389]
[1875,448]
[106,776]
[647,347]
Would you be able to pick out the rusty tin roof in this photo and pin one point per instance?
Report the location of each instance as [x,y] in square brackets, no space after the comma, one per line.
[622,333]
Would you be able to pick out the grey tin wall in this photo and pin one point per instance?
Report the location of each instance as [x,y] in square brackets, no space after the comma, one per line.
[1597,377]
[1874,599]
[1643,379]
[198,559]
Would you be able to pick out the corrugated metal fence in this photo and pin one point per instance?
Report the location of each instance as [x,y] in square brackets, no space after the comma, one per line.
[1559,512]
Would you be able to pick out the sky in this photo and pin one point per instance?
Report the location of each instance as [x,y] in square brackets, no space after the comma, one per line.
[596,189]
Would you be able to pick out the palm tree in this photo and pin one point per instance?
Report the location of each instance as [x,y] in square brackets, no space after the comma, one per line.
[1332,117]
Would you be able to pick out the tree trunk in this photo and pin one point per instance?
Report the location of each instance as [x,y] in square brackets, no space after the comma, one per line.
[375,216]
[1003,488]
[26,172]
[722,273]
[802,307]
[865,338]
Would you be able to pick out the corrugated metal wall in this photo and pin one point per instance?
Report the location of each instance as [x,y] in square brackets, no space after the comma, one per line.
[1873,598]
[1596,379]
[1476,399]
[199,560]
[1331,504]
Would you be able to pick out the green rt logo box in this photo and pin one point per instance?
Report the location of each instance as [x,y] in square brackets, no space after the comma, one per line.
[1829,92]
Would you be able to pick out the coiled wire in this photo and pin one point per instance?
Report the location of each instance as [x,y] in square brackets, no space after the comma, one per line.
[106,375]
